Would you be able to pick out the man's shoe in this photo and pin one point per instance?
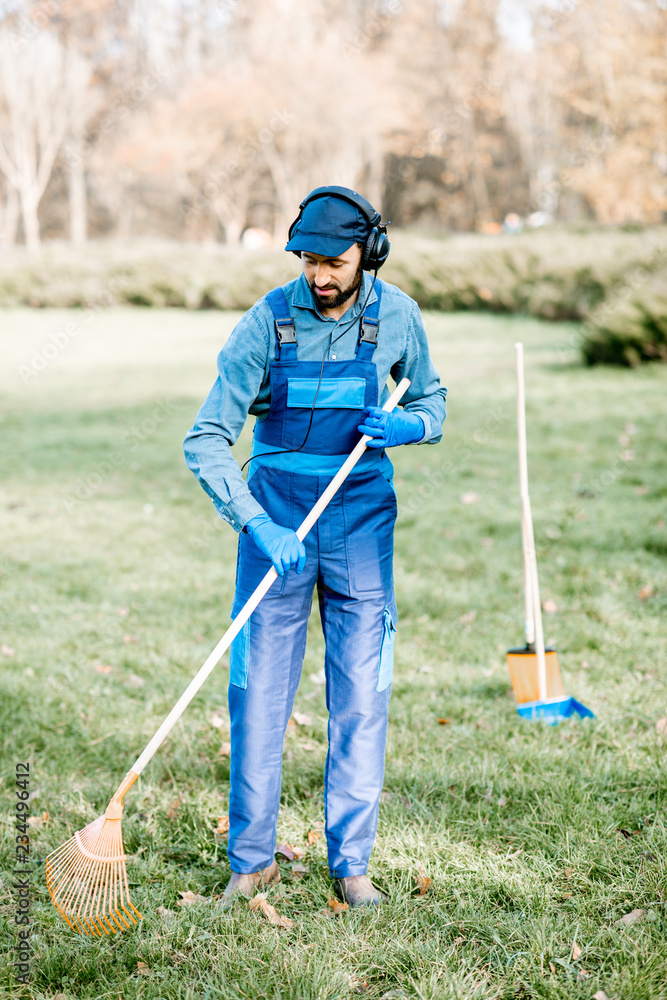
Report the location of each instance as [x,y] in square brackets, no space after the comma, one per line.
[358,890]
[245,885]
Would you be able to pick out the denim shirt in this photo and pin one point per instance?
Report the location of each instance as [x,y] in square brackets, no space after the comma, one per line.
[243,387]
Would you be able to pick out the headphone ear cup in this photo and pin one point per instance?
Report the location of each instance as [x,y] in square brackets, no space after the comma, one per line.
[368,254]
[375,251]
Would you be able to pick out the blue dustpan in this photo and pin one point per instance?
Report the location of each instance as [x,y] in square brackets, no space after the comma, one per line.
[553,710]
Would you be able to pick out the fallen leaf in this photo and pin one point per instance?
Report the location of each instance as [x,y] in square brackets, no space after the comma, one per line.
[135,681]
[286,851]
[471,497]
[469,616]
[174,807]
[143,968]
[641,491]
[630,918]
[7,650]
[225,750]
[568,872]
[549,606]
[583,974]
[301,719]
[189,898]
[223,826]
[425,669]
[217,720]
[318,678]
[36,821]
[515,854]
[661,727]
[600,995]
[443,721]
[646,592]
[299,870]
[165,913]
[424,883]
[297,852]
[502,801]
[485,293]
[123,612]
[576,952]
[313,837]
[103,668]
[130,638]
[552,967]
[260,902]
[337,907]
[459,940]
[566,895]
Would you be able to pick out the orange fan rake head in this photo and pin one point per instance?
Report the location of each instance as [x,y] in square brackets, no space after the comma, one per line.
[86,877]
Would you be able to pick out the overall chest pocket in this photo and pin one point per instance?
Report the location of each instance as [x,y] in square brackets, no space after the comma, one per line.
[345,393]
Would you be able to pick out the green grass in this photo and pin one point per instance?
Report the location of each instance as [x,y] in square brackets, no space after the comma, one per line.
[111,555]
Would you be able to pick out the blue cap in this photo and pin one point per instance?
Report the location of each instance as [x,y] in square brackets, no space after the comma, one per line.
[328,226]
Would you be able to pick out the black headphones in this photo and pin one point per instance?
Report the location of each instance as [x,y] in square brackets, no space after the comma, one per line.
[377,246]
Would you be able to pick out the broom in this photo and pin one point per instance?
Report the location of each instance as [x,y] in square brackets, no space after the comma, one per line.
[86,877]
[534,670]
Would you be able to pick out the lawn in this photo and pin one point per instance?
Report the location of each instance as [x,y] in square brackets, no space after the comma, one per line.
[117,579]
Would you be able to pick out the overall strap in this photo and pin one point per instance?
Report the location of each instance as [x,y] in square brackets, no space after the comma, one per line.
[284,325]
[370,327]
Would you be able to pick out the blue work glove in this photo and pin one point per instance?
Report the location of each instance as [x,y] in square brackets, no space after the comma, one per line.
[390,429]
[279,544]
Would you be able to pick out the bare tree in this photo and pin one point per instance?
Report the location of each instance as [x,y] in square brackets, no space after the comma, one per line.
[43,88]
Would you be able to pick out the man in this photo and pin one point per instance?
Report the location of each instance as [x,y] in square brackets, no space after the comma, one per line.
[310,361]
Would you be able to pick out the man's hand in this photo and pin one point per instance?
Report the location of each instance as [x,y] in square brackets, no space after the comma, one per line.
[391,429]
[279,544]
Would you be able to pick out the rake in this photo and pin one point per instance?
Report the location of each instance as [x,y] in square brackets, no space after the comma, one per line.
[534,670]
[87,877]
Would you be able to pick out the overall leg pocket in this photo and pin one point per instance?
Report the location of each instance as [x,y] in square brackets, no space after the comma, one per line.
[239,657]
[386,667]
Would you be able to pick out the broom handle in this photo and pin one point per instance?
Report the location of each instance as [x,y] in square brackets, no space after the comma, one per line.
[244,614]
[534,631]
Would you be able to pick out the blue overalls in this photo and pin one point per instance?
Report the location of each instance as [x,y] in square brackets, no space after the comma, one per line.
[349,560]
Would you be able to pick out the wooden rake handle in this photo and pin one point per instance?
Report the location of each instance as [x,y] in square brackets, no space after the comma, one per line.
[244,614]
[534,631]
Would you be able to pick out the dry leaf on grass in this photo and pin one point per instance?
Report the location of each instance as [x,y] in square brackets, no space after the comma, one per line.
[442,721]
[36,821]
[459,940]
[260,902]
[301,719]
[552,967]
[7,650]
[103,668]
[336,906]
[298,852]
[217,720]
[299,870]
[223,826]
[189,898]
[549,606]
[424,883]
[143,968]
[285,851]
[600,995]
[174,807]
[313,837]
[468,617]
[470,497]
[661,727]
[225,750]
[576,952]
[165,913]
[630,918]
[646,592]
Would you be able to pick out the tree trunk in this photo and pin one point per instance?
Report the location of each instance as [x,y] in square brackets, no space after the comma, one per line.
[9,218]
[78,220]
[29,205]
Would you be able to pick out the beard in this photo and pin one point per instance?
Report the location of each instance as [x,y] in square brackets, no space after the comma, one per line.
[341,296]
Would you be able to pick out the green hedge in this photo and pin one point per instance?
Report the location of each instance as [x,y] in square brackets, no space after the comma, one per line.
[615,279]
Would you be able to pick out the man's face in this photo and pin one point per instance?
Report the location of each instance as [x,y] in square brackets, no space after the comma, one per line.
[333,280]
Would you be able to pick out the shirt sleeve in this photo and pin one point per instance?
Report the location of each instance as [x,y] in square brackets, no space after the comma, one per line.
[425,396]
[207,446]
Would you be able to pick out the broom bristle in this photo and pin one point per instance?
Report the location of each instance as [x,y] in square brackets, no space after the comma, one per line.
[87,880]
